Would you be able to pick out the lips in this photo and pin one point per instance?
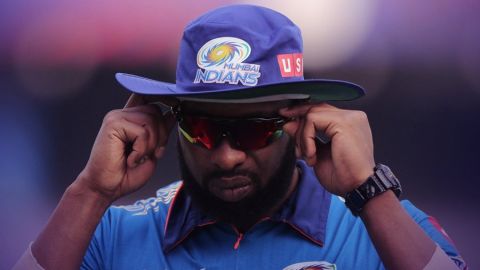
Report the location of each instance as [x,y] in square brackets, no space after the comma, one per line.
[232,188]
[233,182]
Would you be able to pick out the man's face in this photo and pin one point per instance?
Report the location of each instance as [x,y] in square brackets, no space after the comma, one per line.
[230,182]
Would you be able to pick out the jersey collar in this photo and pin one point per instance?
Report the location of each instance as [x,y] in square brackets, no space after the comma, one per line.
[306,211]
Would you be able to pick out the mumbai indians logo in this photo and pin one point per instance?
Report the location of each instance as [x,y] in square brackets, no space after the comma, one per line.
[221,61]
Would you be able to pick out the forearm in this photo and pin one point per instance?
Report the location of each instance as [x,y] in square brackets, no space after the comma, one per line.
[399,241]
[63,242]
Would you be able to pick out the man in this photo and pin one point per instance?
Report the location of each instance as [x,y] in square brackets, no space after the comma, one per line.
[266,168]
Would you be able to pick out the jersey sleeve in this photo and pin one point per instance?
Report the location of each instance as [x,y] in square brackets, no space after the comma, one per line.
[433,229]
[95,255]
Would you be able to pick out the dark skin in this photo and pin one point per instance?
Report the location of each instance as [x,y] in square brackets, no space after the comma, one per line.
[224,157]
[238,164]
[112,173]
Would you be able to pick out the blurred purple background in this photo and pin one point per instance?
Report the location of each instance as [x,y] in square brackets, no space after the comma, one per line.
[419,60]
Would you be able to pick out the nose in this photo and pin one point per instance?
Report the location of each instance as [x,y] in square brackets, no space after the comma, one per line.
[225,157]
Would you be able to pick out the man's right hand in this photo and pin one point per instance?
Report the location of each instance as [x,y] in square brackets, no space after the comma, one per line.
[123,158]
[126,149]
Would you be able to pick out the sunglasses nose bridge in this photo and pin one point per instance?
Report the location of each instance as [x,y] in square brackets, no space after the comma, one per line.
[234,134]
[225,135]
[226,156]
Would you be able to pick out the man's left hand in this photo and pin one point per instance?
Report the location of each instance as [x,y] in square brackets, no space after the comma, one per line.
[344,163]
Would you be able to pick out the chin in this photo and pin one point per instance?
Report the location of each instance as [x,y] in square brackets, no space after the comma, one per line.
[240,206]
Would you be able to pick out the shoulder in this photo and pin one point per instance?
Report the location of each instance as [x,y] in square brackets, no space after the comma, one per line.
[125,228]
[157,204]
[145,212]
[140,217]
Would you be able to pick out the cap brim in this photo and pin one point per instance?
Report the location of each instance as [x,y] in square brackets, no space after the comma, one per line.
[316,89]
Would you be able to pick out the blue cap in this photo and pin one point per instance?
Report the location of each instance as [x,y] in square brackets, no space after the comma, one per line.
[242,53]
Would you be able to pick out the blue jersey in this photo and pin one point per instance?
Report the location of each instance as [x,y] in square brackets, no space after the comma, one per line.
[312,230]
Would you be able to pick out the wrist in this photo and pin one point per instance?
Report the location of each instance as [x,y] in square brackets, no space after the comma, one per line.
[360,179]
[93,184]
[384,200]
[79,190]
[381,181]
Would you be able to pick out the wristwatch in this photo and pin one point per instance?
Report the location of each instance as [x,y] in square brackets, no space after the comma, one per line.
[382,180]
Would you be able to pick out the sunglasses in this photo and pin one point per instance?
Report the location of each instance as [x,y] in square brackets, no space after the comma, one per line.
[244,134]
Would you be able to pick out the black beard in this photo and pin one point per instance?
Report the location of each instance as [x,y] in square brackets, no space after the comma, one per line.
[246,212]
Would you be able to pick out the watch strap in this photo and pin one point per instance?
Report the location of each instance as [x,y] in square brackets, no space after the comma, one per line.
[381,181]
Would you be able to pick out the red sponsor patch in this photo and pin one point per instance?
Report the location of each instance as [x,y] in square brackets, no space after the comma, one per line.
[437,226]
[290,64]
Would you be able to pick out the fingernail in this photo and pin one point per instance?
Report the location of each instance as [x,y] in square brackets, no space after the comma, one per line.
[142,160]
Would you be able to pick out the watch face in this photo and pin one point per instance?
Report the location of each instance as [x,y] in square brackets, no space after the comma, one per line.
[386,177]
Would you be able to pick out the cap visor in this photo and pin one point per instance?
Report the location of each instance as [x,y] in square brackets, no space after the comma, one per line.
[316,89]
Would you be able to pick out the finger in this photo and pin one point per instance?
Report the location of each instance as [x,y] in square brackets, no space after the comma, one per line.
[322,122]
[323,150]
[291,129]
[143,170]
[305,131]
[308,137]
[149,108]
[162,125]
[298,138]
[304,138]
[135,140]
[299,110]
[147,121]
[135,100]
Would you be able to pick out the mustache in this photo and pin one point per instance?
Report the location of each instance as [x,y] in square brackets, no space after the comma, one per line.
[231,173]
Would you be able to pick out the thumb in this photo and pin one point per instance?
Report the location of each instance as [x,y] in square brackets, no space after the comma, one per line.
[291,128]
